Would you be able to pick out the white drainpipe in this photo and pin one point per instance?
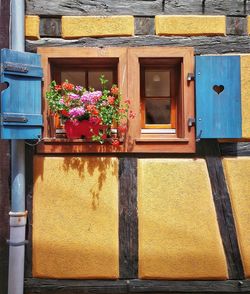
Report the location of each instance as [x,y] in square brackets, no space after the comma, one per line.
[18,215]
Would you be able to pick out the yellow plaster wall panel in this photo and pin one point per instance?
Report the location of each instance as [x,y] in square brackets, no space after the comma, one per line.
[32,27]
[178,231]
[237,172]
[190,25]
[95,26]
[75,218]
[245,95]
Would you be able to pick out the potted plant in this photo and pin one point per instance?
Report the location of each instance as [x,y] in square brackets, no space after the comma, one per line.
[90,114]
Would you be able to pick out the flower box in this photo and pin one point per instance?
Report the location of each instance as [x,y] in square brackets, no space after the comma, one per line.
[84,129]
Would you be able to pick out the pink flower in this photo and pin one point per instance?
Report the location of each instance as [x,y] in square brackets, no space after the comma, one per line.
[76,112]
[61,101]
[73,96]
[78,88]
[91,97]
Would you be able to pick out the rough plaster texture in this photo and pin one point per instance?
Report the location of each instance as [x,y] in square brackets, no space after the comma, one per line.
[32,27]
[190,25]
[237,172]
[245,95]
[178,231]
[75,217]
[95,26]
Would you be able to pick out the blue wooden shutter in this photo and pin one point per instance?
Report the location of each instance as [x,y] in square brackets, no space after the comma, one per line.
[218,97]
[21,105]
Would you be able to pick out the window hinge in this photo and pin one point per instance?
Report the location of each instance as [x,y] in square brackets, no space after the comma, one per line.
[190,77]
[191,122]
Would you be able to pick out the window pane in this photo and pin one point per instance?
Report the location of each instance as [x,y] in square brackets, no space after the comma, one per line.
[74,77]
[94,79]
[157,83]
[157,111]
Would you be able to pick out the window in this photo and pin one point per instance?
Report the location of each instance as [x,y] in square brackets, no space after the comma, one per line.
[162,94]
[85,72]
[159,86]
[153,78]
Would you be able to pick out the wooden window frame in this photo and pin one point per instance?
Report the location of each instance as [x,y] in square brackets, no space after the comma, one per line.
[128,72]
[184,139]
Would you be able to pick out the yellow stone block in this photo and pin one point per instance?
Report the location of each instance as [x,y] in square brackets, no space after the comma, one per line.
[245,95]
[32,27]
[95,26]
[178,232]
[75,218]
[237,172]
[190,25]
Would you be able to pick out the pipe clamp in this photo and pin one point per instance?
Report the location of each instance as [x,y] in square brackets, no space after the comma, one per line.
[16,244]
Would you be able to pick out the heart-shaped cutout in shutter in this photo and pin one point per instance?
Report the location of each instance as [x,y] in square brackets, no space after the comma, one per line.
[218,89]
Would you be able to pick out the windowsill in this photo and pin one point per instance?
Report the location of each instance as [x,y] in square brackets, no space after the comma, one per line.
[158,131]
[160,139]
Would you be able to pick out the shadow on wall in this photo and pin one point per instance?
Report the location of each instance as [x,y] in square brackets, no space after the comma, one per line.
[91,165]
[83,167]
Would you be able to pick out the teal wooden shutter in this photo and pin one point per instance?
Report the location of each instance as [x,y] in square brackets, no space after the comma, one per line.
[21,107]
[218,97]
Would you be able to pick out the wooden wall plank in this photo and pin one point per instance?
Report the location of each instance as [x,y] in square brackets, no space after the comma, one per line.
[34,286]
[29,152]
[136,7]
[152,286]
[50,27]
[236,25]
[235,149]
[223,208]
[74,286]
[202,45]
[4,166]
[128,222]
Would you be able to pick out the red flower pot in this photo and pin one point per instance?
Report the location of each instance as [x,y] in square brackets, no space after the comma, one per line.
[83,129]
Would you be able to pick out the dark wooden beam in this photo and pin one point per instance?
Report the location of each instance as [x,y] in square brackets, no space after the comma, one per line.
[4,165]
[128,222]
[136,7]
[223,208]
[152,286]
[202,45]
[235,149]
[236,25]
[74,286]
[29,152]
[34,286]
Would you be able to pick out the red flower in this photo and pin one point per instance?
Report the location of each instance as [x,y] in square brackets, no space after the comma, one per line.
[64,112]
[127,101]
[115,142]
[111,100]
[58,87]
[122,129]
[68,86]
[114,90]
[95,120]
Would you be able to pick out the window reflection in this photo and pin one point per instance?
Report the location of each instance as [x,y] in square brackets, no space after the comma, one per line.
[157,83]
[157,111]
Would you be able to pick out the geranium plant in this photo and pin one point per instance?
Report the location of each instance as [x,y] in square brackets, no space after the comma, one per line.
[103,110]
